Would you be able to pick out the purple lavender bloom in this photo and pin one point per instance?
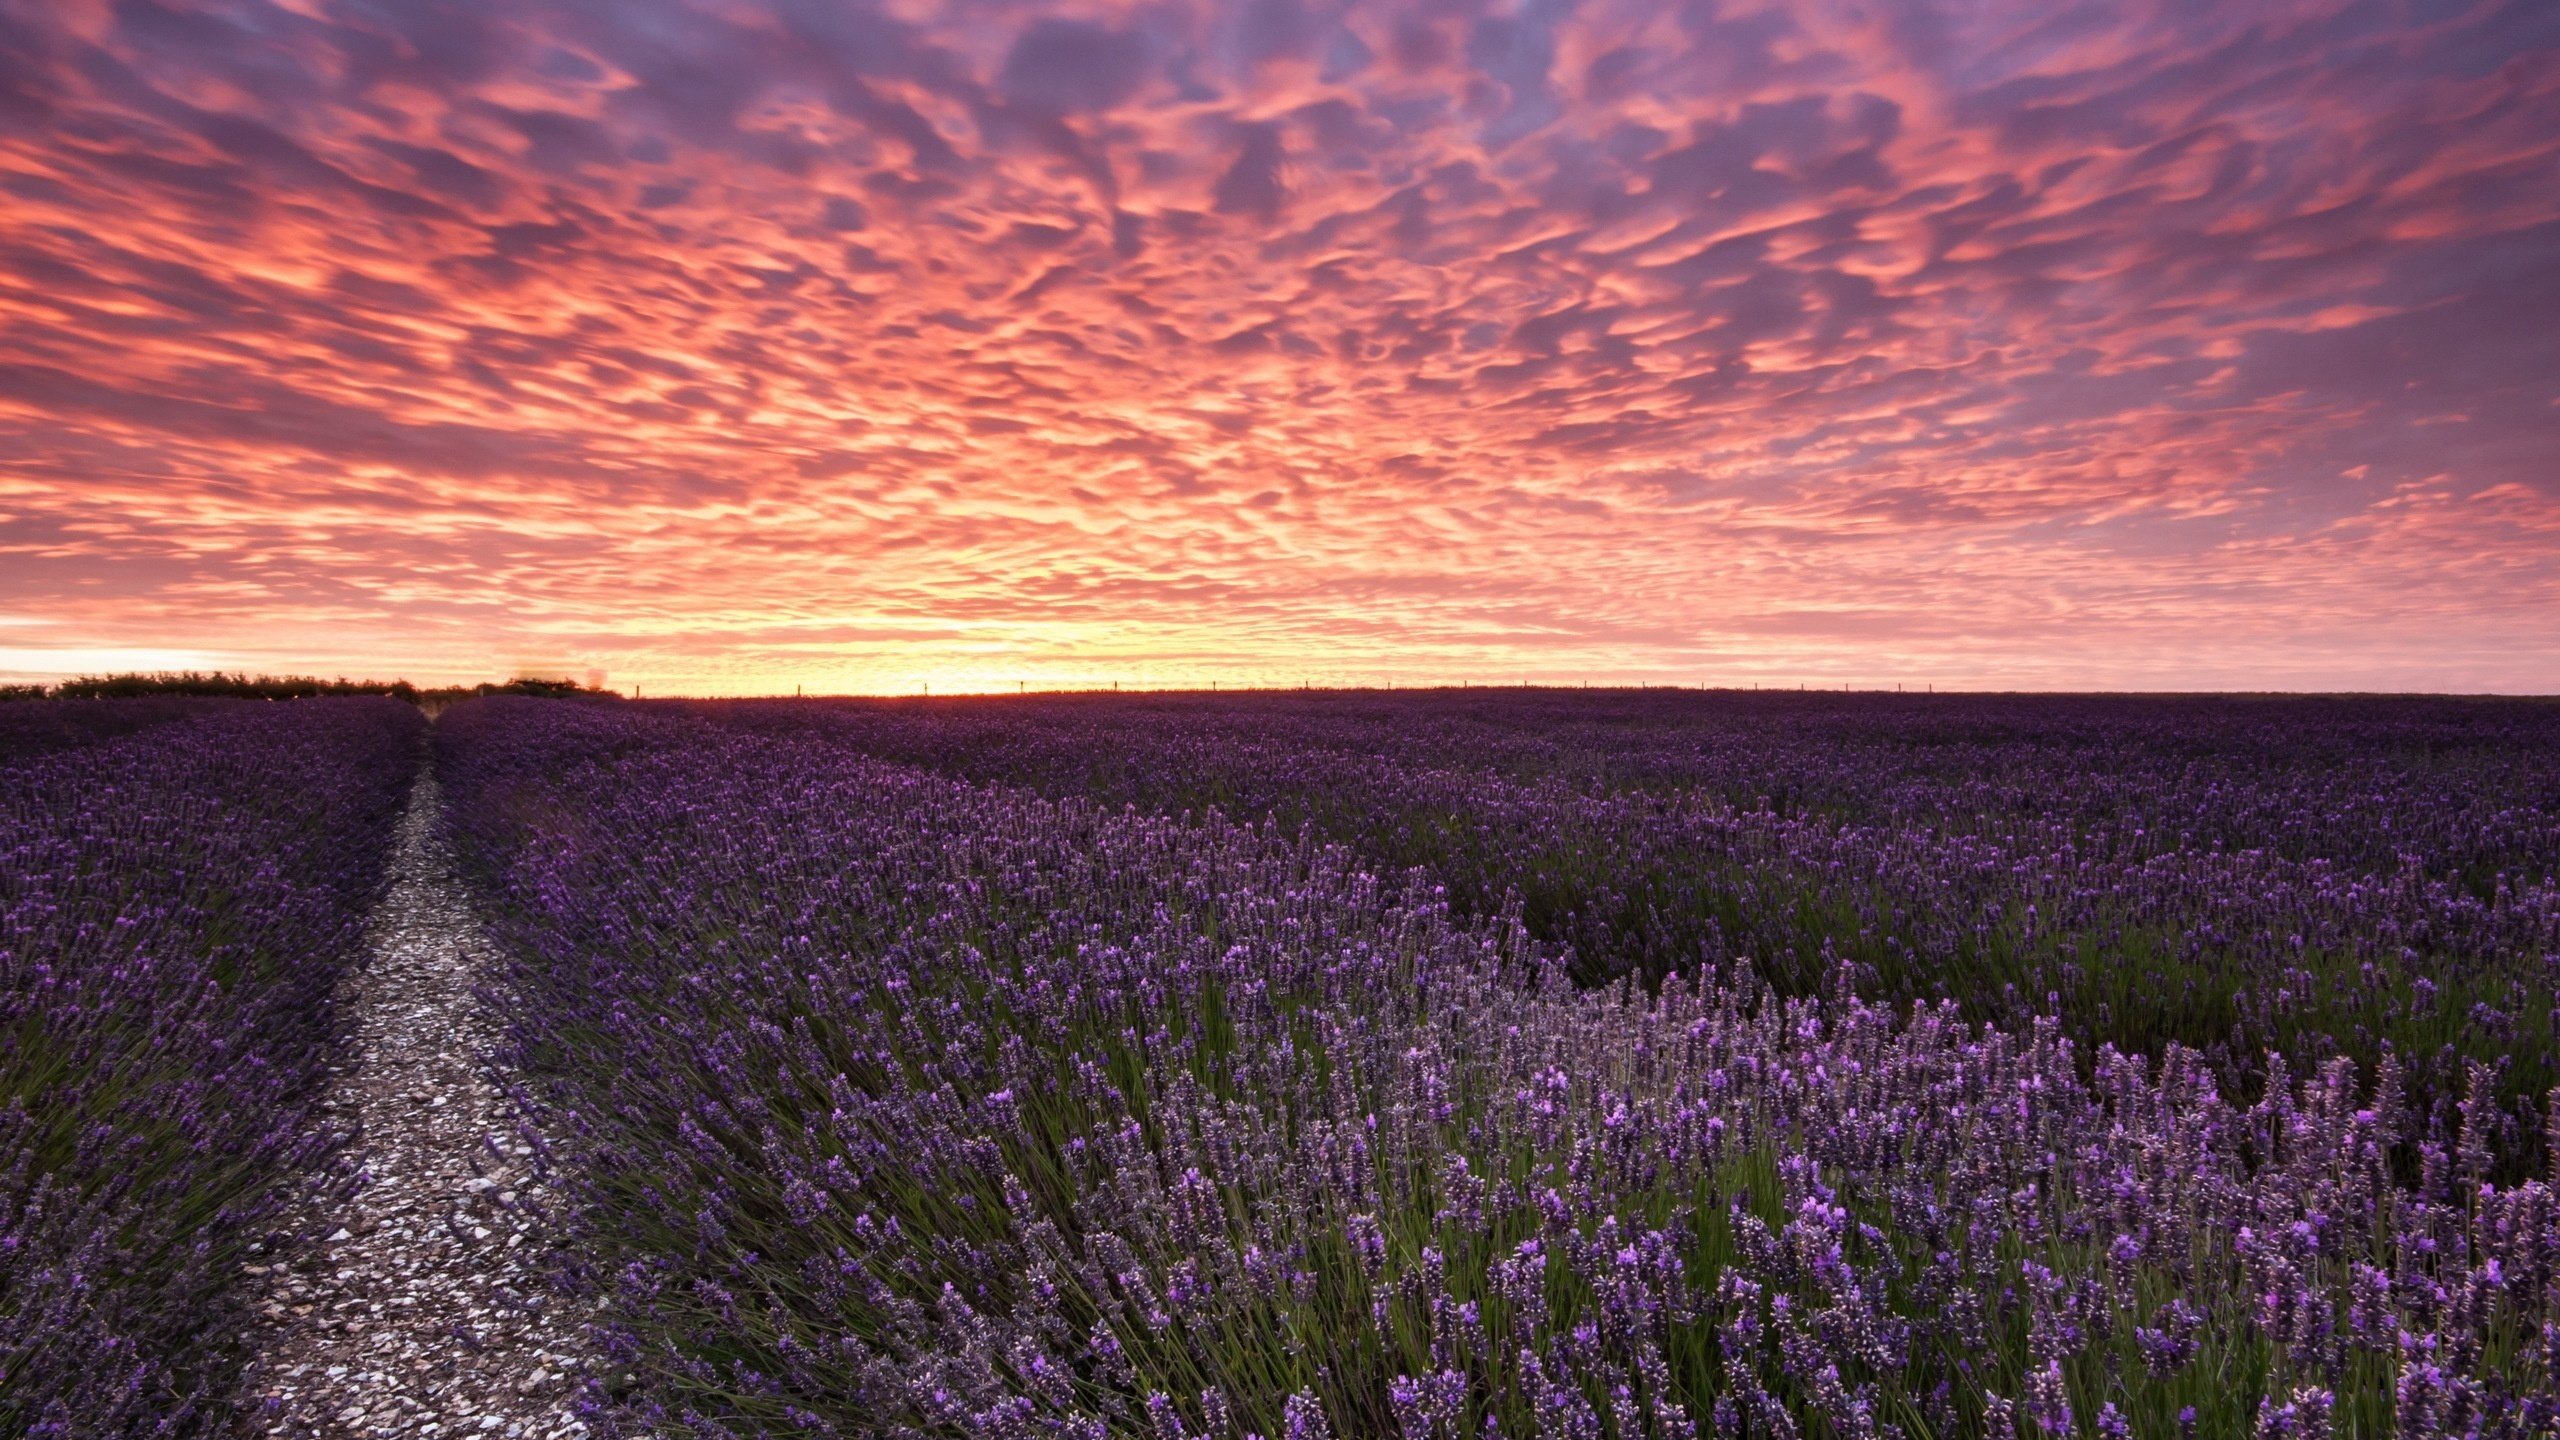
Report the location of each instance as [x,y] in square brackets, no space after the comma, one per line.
[181,884]
[1469,1069]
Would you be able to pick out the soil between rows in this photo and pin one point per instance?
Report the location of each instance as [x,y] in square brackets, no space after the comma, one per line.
[418,1305]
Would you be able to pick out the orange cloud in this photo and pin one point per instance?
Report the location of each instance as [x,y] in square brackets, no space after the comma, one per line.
[732,346]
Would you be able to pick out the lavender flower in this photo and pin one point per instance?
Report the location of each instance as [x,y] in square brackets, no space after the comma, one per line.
[1253,1131]
[183,884]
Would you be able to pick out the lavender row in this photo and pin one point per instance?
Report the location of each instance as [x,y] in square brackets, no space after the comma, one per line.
[40,727]
[2307,878]
[175,908]
[2466,787]
[898,1105]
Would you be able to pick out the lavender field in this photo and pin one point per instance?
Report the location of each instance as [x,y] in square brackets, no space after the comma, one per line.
[181,885]
[1474,1065]
[1461,1065]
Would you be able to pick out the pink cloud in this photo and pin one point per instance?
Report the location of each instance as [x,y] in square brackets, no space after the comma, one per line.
[1991,344]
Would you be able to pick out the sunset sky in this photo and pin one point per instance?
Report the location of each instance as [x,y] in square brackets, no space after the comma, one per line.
[727,345]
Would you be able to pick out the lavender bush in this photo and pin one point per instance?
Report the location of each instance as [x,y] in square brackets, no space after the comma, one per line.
[175,908]
[2303,877]
[39,727]
[901,1105]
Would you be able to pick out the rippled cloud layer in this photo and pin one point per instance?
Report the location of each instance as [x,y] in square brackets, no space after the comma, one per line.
[733,343]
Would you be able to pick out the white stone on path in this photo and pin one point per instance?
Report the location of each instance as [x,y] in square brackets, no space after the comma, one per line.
[411,1257]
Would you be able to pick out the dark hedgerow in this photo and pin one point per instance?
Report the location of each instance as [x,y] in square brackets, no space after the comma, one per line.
[903,1106]
[225,685]
[175,908]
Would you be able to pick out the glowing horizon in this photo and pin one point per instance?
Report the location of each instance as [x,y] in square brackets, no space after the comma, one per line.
[727,345]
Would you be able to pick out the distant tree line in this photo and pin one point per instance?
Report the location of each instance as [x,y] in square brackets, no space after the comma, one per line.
[282,687]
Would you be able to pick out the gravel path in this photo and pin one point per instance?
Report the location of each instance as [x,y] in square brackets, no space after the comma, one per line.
[423,1311]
